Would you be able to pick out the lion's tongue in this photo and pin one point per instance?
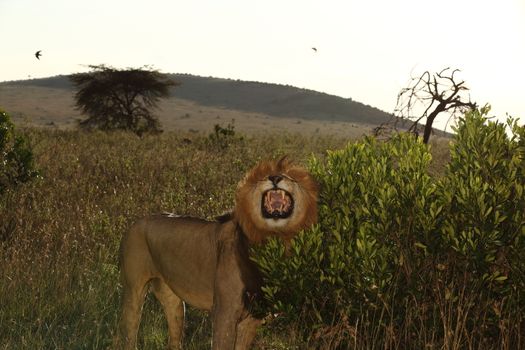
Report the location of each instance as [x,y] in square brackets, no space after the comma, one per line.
[276,200]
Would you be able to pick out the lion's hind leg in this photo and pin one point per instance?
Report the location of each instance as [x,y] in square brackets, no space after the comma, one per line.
[137,270]
[173,309]
[133,298]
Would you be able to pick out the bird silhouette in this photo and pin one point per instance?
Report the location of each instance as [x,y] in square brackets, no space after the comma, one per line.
[315,49]
[38,54]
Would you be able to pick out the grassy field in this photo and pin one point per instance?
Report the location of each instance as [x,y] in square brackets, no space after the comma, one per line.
[59,234]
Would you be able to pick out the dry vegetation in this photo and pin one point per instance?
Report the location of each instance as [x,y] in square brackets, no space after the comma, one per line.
[60,233]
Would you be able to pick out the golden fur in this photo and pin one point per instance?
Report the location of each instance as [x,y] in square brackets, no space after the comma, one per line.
[206,263]
[246,213]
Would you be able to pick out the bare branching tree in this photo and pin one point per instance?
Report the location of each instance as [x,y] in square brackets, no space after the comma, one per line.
[117,99]
[428,96]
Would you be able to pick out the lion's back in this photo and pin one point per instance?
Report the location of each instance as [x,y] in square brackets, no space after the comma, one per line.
[161,232]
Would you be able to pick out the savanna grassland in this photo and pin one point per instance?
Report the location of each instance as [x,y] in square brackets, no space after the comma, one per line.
[413,249]
[60,232]
[59,281]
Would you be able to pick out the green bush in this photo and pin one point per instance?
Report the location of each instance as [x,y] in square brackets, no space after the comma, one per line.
[402,259]
[484,197]
[16,157]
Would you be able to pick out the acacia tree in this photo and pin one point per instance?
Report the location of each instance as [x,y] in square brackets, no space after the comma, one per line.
[117,99]
[433,94]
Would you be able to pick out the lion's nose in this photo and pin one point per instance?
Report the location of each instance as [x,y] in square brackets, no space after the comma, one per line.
[275,179]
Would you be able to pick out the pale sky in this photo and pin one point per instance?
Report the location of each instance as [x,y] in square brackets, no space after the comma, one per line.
[367,49]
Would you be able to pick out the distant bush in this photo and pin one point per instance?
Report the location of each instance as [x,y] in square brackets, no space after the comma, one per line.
[223,137]
[401,259]
[16,157]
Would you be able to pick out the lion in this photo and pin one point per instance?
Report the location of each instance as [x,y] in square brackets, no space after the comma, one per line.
[206,264]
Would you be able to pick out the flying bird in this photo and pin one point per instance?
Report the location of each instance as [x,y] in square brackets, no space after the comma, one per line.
[38,54]
[314,48]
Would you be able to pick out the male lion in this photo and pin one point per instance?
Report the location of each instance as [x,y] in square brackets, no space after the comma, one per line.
[206,263]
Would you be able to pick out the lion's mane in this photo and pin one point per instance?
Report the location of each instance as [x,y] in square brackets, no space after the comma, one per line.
[306,210]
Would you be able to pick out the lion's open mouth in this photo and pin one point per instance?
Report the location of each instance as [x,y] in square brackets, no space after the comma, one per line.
[276,204]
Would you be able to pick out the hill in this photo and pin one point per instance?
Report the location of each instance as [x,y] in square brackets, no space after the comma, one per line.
[200,102]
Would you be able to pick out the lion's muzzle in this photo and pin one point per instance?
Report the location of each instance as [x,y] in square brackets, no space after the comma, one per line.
[276,204]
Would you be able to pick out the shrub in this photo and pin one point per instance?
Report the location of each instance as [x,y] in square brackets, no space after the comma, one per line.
[222,137]
[401,259]
[483,231]
[16,157]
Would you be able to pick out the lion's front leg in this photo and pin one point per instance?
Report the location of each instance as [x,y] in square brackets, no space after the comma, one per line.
[225,319]
[229,333]
[233,327]
[227,297]
[246,331]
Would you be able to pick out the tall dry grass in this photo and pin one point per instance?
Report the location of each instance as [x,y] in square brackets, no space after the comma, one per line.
[60,234]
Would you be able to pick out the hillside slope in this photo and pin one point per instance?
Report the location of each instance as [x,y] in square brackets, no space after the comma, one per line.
[274,99]
[198,100]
